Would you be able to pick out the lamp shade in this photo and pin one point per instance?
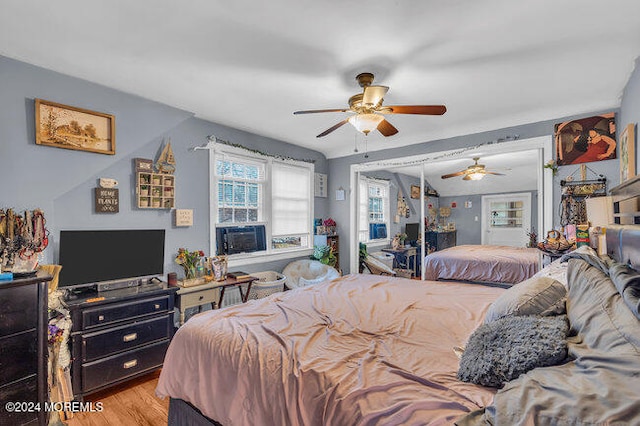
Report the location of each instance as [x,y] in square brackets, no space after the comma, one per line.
[366,122]
[476,176]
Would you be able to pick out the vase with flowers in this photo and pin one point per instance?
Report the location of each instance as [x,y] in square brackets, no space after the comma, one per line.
[329,226]
[551,165]
[190,261]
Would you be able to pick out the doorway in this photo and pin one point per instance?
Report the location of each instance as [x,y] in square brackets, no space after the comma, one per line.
[506,219]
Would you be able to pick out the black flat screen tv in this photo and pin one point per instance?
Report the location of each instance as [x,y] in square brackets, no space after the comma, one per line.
[412,230]
[95,257]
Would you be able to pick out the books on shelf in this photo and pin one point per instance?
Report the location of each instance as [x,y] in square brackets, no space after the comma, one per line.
[238,275]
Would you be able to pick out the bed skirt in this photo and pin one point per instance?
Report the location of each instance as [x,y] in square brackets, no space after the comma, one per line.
[181,413]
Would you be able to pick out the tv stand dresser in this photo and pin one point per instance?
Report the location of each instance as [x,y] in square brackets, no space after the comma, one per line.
[118,335]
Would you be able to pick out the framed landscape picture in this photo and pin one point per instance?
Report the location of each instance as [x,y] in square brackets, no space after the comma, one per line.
[68,127]
[627,153]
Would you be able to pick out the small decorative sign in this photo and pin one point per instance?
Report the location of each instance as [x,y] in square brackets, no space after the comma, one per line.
[107,183]
[107,200]
[143,165]
[184,217]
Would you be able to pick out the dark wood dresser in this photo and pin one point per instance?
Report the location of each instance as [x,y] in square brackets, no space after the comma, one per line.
[23,350]
[118,335]
[440,240]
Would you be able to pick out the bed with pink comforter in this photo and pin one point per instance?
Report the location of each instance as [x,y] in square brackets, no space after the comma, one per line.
[361,349]
[482,263]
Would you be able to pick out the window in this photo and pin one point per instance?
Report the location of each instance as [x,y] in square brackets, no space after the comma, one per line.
[251,188]
[374,209]
[240,189]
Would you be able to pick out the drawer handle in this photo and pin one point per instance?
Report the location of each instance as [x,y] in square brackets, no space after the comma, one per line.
[201,297]
[157,306]
[100,317]
[130,337]
[130,364]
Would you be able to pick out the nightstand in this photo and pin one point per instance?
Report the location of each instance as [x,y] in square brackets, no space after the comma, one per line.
[209,293]
[546,258]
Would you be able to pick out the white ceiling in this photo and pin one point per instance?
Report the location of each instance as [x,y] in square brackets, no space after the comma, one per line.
[520,171]
[250,64]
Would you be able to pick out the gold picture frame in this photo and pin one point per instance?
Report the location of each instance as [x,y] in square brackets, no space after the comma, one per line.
[627,153]
[64,126]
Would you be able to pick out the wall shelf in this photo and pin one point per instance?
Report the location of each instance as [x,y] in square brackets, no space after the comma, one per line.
[155,190]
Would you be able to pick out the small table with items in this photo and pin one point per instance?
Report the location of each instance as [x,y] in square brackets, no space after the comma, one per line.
[404,258]
[190,297]
[546,257]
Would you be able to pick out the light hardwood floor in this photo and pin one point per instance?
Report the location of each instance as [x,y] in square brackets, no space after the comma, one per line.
[132,403]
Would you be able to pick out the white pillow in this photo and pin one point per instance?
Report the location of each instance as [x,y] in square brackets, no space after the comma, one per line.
[556,270]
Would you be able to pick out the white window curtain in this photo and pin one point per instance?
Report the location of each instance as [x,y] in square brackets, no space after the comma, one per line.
[290,202]
[363,210]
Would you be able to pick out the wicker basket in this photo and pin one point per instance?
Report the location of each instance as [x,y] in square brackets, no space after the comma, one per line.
[268,282]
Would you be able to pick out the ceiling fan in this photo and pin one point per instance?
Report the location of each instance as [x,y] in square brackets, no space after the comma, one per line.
[369,110]
[473,172]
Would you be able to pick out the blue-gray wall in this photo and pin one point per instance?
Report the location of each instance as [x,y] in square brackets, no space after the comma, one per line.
[61,181]
[630,107]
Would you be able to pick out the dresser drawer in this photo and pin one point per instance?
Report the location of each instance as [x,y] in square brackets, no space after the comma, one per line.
[19,310]
[101,315]
[118,367]
[25,390]
[197,298]
[18,356]
[108,342]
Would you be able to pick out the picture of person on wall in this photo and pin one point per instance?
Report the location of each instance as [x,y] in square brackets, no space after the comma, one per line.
[586,140]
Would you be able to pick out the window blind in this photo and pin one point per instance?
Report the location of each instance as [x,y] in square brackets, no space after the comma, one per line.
[290,203]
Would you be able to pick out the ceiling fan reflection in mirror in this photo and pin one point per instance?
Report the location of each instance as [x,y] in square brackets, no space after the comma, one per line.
[369,111]
[474,172]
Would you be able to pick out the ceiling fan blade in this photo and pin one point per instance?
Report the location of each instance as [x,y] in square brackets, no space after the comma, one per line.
[453,175]
[386,128]
[493,173]
[331,129]
[415,109]
[374,94]
[313,111]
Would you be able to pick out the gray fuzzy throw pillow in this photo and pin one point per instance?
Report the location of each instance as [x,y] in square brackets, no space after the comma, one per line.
[504,349]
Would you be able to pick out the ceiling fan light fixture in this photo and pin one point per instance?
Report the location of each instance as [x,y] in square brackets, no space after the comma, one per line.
[365,123]
[475,176]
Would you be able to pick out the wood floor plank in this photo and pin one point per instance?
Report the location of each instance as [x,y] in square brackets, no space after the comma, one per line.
[131,403]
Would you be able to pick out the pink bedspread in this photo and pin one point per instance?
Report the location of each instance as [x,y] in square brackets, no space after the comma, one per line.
[361,349]
[482,263]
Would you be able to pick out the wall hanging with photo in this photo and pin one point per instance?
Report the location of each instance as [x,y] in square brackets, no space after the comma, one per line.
[586,140]
[627,153]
